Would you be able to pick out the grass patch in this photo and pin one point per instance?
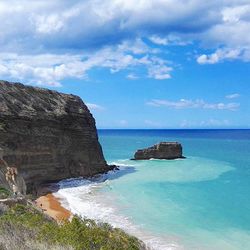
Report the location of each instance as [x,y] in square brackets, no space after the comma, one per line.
[4,193]
[78,234]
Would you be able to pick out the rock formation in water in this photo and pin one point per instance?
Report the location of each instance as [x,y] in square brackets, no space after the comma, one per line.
[162,150]
[47,135]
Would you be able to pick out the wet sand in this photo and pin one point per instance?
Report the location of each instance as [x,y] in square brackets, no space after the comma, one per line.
[52,207]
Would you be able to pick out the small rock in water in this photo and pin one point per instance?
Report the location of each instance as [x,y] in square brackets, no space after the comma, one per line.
[162,150]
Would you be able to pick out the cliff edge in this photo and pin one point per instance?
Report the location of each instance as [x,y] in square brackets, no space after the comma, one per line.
[47,135]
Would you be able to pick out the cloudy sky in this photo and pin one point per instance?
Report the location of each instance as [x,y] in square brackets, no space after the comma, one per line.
[137,64]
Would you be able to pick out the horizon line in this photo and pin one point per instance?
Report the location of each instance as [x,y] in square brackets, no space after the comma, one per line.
[173,128]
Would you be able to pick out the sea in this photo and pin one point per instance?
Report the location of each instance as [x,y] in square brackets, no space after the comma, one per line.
[198,203]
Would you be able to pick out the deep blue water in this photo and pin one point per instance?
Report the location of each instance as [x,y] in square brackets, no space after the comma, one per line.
[201,202]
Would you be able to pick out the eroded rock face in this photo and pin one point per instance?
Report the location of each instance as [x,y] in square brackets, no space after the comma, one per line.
[11,180]
[47,135]
[163,150]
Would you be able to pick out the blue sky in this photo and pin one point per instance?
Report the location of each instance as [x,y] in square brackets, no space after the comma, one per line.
[149,64]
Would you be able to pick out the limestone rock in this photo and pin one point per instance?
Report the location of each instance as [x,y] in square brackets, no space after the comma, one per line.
[162,150]
[47,135]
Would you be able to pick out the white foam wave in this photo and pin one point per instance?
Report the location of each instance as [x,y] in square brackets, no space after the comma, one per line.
[81,196]
[122,163]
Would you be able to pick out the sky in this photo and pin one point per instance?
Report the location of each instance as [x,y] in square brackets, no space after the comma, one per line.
[136,64]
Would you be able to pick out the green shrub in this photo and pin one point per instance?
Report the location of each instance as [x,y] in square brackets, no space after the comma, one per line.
[4,193]
[77,234]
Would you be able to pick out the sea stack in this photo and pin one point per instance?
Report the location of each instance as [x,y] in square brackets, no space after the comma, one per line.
[162,150]
[48,136]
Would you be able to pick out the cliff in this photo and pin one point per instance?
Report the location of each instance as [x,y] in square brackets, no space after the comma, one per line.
[162,150]
[47,135]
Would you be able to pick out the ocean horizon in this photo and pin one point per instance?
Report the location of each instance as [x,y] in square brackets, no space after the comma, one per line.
[201,202]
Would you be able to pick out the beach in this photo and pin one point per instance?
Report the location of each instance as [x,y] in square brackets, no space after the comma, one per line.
[52,207]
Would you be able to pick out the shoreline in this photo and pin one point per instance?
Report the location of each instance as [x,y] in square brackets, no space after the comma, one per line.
[52,206]
[96,210]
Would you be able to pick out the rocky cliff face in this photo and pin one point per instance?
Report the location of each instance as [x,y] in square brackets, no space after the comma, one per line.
[162,150]
[47,135]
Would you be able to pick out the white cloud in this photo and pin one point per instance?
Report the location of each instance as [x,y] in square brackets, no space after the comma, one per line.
[159,40]
[169,40]
[114,31]
[51,69]
[130,76]
[205,59]
[45,69]
[48,24]
[136,47]
[159,72]
[157,68]
[233,96]
[93,106]
[82,23]
[93,22]
[205,123]
[3,70]
[190,104]
[229,34]
[220,55]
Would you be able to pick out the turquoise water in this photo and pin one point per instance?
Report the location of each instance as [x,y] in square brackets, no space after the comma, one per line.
[201,202]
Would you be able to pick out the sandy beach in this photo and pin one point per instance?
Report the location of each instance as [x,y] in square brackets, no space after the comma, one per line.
[52,207]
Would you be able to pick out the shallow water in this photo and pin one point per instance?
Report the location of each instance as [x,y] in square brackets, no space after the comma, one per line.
[201,202]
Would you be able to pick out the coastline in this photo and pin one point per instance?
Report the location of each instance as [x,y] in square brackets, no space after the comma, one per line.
[90,204]
[51,205]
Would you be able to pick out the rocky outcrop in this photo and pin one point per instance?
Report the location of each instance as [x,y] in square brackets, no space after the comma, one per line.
[11,179]
[47,135]
[163,150]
